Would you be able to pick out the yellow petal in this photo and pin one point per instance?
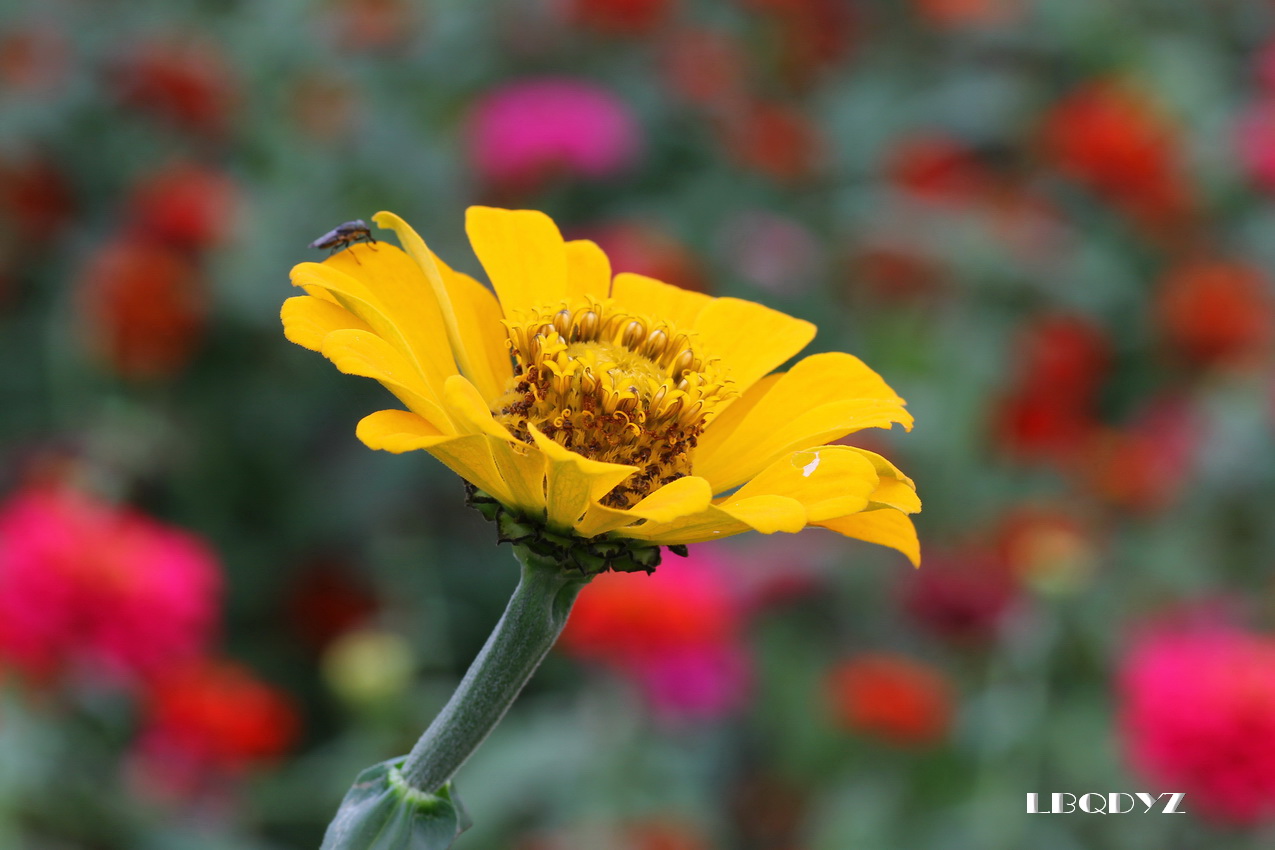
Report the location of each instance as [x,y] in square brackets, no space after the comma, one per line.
[648,296]
[685,496]
[478,320]
[832,394]
[399,283]
[472,458]
[363,353]
[895,489]
[588,271]
[766,513]
[522,467]
[469,456]
[428,351]
[523,254]
[828,481]
[573,482]
[459,310]
[885,527]
[399,431]
[796,490]
[769,513]
[750,339]
[712,523]
[307,320]
[469,411]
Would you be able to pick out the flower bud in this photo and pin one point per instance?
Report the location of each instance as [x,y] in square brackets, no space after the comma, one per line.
[382,811]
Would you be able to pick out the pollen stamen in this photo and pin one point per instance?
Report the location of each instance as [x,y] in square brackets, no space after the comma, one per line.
[612,386]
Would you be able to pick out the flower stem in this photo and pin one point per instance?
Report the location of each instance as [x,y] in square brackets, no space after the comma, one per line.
[535,616]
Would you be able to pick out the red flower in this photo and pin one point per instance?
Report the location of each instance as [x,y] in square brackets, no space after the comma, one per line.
[937,168]
[642,247]
[773,139]
[33,59]
[962,596]
[1068,354]
[1216,312]
[35,198]
[185,205]
[1032,425]
[1049,411]
[899,699]
[145,306]
[187,83]
[812,34]
[324,108]
[897,272]
[1145,465]
[675,633]
[373,24]
[621,17]
[1111,138]
[328,599]
[208,722]
[964,13]
[705,67]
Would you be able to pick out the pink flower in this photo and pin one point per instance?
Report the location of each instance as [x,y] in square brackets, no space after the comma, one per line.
[91,589]
[1197,713]
[1255,141]
[676,634]
[528,130]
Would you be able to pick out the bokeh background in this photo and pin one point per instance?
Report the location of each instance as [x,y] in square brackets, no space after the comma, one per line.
[1047,223]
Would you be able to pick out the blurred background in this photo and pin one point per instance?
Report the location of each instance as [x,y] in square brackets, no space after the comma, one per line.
[1047,223]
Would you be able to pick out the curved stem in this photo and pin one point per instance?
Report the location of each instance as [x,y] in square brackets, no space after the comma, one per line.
[535,616]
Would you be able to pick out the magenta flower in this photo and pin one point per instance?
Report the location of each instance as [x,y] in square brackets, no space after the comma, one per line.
[529,130]
[93,590]
[1255,143]
[676,634]
[1197,714]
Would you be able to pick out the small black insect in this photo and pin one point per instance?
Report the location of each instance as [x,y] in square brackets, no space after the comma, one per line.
[344,235]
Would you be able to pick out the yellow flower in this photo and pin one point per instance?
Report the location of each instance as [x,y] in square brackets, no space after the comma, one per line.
[600,405]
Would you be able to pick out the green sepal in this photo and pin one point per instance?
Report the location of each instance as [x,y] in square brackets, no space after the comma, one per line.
[586,555]
[510,529]
[382,812]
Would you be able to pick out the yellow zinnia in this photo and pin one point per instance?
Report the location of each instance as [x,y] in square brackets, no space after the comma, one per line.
[600,407]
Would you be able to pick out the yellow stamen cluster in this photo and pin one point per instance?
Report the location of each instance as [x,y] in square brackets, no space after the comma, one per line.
[612,386]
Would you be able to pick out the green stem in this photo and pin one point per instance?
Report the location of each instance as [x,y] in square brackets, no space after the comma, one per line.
[535,616]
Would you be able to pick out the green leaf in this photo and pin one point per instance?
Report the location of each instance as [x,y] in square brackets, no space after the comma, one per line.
[382,812]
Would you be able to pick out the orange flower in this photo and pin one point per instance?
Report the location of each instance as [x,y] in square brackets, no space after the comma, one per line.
[899,699]
[1113,139]
[1215,312]
[208,722]
[144,304]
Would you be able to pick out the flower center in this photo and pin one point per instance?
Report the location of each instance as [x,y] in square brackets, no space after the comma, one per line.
[612,386]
